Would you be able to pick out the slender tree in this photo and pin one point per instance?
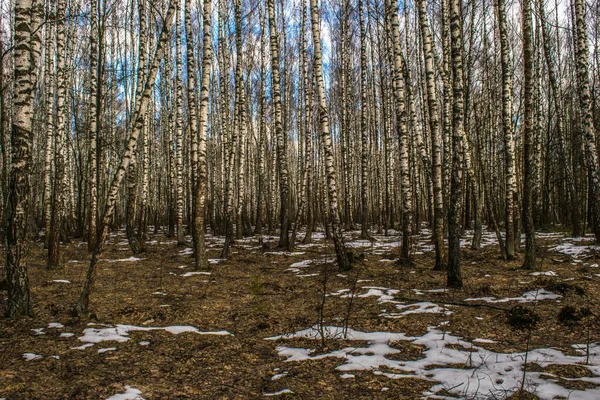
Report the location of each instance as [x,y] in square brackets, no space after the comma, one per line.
[18,202]
[334,218]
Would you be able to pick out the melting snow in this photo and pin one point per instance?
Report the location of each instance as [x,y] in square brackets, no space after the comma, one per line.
[279,376]
[484,373]
[31,356]
[545,273]
[195,273]
[61,281]
[130,394]
[107,349]
[568,247]
[120,333]
[284,391]
[55,325]
[284,253]
[528,297]
[301,264]
[129,259]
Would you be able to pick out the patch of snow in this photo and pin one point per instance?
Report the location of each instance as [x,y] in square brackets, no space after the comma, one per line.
[82,347]
[484,341]
[545,273]
[61,281]
[66,334]
[284,391]
[104,350]
[528,297]
[347,376]
[279,376]
[186,252]
[129,259]
[568,247]
[483,372]
[120,333]
[195,273]
[31,356]
[285,253]
[424,307]
[55,325]
[38,331]
[301,264]
[131,393]
[160,293]
[144,343]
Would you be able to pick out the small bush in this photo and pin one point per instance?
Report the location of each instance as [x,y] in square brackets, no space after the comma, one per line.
[571,315]
[522,318]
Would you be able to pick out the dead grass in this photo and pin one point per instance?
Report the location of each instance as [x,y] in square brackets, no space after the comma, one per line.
[253,297]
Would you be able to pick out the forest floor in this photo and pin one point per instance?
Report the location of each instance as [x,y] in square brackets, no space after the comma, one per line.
[254,327]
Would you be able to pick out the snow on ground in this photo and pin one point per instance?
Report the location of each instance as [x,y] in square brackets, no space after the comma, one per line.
[31,356]
[279,376]
[131,393]
[120,333]
[104,350]
[386,295]
[484,373]
[284,253]
[195,273]
[528,297]
[279,393]
[545,273]
[571,247]
[61,281]
[129,259]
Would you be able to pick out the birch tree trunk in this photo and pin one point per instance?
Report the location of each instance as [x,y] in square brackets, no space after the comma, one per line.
[454,278]
[133,237]
[59,188]
[507,127]
[334,217]
[179,130]
[18,204]
[587,120]
[50,127]
[201,261]
[401,114]
[528,137]
[262,129]
[363,121]
[436,139]
[93,126]
[282,163]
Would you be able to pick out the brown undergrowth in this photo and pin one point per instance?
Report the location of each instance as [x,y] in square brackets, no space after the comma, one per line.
[254,296]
